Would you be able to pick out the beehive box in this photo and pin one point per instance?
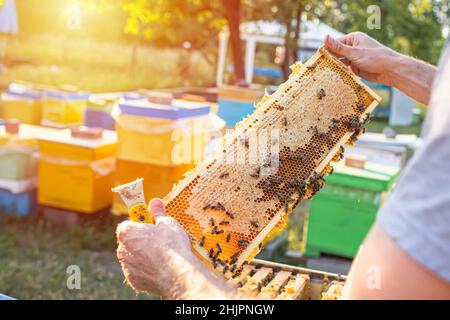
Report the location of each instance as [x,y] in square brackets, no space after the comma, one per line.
[275,281]
[158,180]
[77,173]
[18,152]
[235,103]
[165,135]
[19,204]
[22,102]
[344,210]
[229,206]
[63,108]
[99,111]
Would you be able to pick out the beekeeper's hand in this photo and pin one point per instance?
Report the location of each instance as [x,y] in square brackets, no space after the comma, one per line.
[375,62]
[157,259]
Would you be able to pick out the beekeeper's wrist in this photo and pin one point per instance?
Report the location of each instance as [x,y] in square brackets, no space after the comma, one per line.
[193,280]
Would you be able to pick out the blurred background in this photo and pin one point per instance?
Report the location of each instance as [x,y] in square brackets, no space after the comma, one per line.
[87,62]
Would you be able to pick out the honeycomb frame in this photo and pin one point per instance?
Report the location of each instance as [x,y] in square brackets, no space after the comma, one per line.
[328,106]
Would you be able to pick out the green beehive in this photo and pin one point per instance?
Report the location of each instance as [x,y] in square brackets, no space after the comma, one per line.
[342,213]
[19,150]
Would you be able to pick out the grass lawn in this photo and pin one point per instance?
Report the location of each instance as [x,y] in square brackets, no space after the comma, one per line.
[35,254]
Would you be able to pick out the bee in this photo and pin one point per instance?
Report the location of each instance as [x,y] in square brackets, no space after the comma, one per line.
[234,257]
[216,255]
[303,158]
[254,224]
[228,237]
[224,223]
[285,122]
[260,246]
[256,173]
[219,248]
[243,243]
[245,142]
[202,241]
[233,267]
[211,220]
[321,94]
[311,67]
[230,214]
[208,206]
[214,230]
[211,252]
[360,107]
[225,269]
[219,231]
[224,175]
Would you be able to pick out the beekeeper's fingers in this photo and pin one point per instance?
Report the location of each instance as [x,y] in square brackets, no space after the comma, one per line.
[156,209]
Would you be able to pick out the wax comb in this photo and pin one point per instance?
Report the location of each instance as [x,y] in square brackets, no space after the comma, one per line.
[228,207]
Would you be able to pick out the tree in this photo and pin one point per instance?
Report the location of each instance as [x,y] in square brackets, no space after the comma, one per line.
[233,15]
[175,24]
[290,14]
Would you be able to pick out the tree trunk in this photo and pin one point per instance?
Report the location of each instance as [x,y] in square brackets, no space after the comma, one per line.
[298,25]
[232,14]
[291,43]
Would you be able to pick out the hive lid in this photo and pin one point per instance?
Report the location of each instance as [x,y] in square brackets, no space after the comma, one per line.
[177,110]
[132,96]
[65,136]
[28,131]
[376,177]
[66,95]
[23,91]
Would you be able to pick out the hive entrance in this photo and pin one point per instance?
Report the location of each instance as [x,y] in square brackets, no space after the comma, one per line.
[228,208]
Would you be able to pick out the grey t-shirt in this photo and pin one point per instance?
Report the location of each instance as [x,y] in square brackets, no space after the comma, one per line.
[417,213]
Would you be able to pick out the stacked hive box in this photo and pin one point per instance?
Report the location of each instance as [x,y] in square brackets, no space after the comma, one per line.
[344,210]
[76,169]
[99,111]
[22,102]
[64,107]
[159,141]
[236,103]
[18,167]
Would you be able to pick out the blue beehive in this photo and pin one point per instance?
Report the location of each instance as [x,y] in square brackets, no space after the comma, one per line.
[236,103]
[21,204]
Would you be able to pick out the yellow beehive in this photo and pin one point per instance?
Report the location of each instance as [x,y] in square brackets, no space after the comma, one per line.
[165,142]
[275,158]
[77,173]
[159,142]
[22,102]
[64,107]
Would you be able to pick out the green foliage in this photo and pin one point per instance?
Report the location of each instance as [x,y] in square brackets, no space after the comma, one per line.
[191,23]
[411,27]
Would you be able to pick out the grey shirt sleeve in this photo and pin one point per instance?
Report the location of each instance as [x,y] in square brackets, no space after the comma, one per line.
[417,213]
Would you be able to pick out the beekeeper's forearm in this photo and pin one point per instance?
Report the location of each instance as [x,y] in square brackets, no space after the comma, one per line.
[413,77]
